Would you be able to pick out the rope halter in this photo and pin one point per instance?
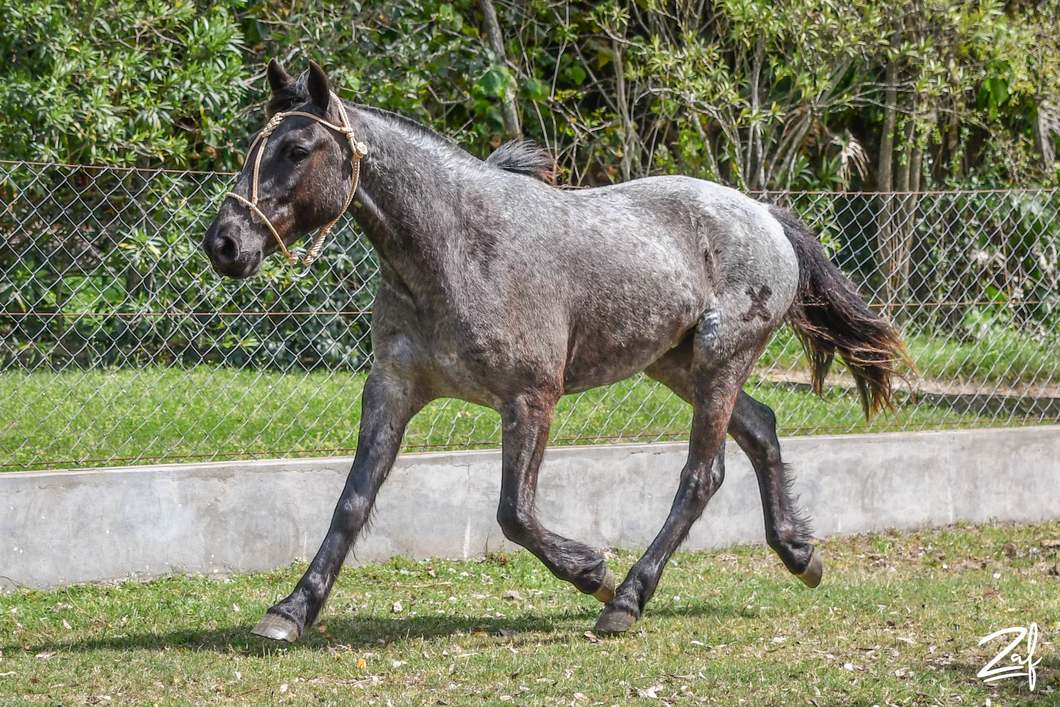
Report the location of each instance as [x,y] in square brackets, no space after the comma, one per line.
[358,149]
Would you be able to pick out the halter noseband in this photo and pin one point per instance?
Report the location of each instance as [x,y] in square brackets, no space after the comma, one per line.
[358,149]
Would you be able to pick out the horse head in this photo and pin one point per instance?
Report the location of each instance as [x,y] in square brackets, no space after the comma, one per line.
[300,176]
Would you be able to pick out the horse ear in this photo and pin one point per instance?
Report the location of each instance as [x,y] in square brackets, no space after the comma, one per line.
[319,90]
[278,78]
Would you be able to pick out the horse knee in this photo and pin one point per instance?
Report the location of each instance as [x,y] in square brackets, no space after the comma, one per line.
[350,512]
[715,477]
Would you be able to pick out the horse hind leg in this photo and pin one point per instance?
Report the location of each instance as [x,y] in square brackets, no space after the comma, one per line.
[717,375]
[527,419]
[753,427]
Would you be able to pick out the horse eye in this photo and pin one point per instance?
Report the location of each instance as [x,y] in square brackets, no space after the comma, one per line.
[297,153]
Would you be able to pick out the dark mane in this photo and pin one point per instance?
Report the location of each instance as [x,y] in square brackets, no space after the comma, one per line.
[296,93]
[526,158]
[410,126]
[517,156]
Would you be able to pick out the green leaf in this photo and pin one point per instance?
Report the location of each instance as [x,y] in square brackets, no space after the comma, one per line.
[576,74]
[534,89]
[998,90]
[493,81]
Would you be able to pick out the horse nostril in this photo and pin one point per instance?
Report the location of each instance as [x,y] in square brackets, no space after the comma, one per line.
[227,251]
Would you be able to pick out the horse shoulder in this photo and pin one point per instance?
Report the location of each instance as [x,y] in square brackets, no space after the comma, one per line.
[397,330]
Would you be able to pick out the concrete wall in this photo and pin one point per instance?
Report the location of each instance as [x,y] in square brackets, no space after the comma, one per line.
[58,527]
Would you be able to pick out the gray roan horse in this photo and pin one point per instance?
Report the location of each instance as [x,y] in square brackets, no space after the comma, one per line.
[502,290]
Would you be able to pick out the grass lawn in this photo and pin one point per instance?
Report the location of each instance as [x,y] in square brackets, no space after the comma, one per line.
[113,417]
[896,622]
[85,418]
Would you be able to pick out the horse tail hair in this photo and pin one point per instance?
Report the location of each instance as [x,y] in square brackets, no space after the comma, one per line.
[524,157]
[830,317]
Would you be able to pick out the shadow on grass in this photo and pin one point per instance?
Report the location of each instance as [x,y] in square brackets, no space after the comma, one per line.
[352,633]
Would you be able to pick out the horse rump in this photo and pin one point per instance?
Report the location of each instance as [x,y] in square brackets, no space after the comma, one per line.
[830,317]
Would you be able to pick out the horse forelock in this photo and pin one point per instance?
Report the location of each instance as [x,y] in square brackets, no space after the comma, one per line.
[291,96]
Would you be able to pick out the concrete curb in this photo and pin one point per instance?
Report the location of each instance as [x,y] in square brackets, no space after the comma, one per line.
[60,527]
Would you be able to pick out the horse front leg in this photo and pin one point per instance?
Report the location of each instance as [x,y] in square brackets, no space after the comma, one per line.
[387,404]
[526,421]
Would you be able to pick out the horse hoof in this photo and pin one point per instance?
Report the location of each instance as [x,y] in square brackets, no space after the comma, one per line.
[811,576]
[606,592]
[276,628]
[613,620]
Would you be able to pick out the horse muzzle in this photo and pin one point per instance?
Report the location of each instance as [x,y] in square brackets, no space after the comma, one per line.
[228,255]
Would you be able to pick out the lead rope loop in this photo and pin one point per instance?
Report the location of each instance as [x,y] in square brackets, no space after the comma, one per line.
[358,150]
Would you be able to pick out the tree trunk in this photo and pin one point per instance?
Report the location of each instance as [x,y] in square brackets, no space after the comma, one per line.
[901,229]
[623,109]
[509,114]
[884,220]
[712,163]
[918,251]
[755,171]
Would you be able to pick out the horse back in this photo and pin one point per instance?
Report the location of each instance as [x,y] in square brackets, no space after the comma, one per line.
[580,288]
[656,254]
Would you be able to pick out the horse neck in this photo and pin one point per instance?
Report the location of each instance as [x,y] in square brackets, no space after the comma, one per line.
[412,183]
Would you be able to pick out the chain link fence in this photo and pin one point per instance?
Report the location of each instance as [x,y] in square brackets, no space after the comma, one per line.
[118,344]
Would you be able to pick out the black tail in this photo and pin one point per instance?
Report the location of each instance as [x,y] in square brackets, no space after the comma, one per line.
[829,316]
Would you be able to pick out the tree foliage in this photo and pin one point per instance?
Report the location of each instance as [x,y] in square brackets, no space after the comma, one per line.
[120,81]
[775,94]
[881,95]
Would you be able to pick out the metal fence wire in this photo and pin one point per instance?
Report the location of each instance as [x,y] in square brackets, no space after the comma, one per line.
[119,345]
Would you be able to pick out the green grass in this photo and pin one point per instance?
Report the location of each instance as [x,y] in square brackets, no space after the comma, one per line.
[96,417]
[86,418]
[896,622]
[1002,357]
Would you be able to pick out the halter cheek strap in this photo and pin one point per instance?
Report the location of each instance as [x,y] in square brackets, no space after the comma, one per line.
[357,148]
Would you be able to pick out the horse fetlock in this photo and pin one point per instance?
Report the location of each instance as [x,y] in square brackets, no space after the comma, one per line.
[516,525]
[277,628]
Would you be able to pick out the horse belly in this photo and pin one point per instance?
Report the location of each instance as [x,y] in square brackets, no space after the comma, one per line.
[637,298]
[604,351]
